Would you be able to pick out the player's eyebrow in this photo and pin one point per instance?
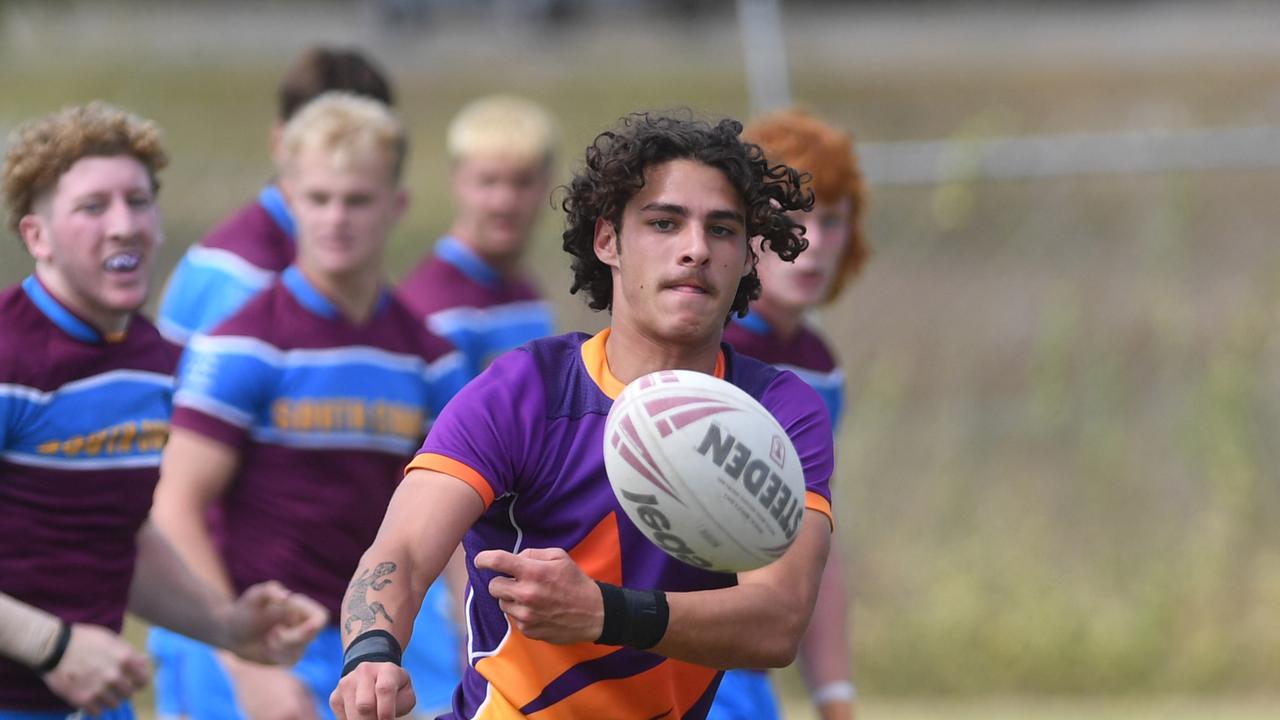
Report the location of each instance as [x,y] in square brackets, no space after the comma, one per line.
[682,211]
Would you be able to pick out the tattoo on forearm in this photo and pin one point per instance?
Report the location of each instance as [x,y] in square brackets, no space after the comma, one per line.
[359,608]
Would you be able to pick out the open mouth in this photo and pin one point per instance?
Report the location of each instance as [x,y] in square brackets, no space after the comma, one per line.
[123,262]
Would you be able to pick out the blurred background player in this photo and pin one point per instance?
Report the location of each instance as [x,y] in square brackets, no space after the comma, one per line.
[85,390]
[776,331]
[298,413]
[471,289]
[242,256]
[659,226]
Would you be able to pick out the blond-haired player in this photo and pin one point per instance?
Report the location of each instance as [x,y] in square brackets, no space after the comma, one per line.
[471,289]
[296,414]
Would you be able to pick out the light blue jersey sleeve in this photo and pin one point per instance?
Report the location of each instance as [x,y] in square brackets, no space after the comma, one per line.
[208,286]
[228,378]
[14,399]
[482,334]
[445,377]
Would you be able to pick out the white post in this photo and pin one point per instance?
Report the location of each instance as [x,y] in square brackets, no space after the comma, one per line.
[764,53]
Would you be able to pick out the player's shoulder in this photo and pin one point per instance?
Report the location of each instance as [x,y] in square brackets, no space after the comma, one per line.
[265,316]
[151,347]
[435,285]
[251,234]
[816,349]
[405,324]
[769,384]
[545,364]
[21,328]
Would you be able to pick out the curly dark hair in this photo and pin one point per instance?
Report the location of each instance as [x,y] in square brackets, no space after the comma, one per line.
[614,173]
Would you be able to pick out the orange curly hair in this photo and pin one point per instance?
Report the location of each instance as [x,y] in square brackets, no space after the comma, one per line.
[795,137]
[41,150]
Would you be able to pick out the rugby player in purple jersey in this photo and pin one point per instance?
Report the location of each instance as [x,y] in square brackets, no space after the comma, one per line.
[297,414]
[85,390]
[244,253]
[778,331]
[572,611]
[471,288]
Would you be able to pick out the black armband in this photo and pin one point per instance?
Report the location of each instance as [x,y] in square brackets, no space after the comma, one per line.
[371,646]
[59,649]
[634,618]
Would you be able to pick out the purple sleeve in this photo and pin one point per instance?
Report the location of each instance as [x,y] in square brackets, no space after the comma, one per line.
[801,412]
[489,426]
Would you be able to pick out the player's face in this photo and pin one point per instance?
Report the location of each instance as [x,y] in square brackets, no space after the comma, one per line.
[498,199]
[344,211]
[797,286]
[680,255]
[94,237]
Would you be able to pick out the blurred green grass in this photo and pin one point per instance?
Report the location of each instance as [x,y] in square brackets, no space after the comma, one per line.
[1058,474]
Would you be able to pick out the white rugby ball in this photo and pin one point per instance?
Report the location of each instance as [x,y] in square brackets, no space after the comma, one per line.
[704,470]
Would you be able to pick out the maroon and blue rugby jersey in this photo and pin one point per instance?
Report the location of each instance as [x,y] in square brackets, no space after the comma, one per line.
[805,353]
[83,419]
[324,414]
[527,435]
[481,311]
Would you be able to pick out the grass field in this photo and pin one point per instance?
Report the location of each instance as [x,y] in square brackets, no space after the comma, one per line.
[1058,476]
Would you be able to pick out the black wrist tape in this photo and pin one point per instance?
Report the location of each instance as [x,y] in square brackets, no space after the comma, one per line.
[634,618]
[59,649]
[371,646]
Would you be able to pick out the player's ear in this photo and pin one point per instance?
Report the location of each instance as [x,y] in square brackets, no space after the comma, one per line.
[35,236]
[606,242]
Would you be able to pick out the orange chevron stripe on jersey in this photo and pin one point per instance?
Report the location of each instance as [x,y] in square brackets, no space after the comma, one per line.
[527,671]
[523,667]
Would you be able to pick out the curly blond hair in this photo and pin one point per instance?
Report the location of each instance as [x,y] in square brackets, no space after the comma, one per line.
[796,138]
[41,150]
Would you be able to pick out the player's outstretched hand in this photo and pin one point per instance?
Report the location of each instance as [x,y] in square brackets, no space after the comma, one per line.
[98,671]
[373,691]
[271,625]
[546,594]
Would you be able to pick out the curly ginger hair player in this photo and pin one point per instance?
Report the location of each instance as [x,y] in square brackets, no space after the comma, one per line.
[86,385]
[777,332]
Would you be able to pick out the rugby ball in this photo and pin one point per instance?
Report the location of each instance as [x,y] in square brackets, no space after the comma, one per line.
[704,471]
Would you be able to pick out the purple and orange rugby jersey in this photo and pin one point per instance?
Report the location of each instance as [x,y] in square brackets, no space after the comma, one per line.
[527,435]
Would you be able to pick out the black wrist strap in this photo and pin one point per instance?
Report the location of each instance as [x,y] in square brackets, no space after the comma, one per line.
[634,618]
[59,649]
[371,646]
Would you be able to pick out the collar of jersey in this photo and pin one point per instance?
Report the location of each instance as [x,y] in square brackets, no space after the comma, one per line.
[272,200]
[59,315]
[597,365]
[755,323]
[453,251]
[314,301]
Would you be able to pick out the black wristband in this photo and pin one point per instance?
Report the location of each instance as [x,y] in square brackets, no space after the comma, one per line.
[634,618]
[59,649]
[371,646]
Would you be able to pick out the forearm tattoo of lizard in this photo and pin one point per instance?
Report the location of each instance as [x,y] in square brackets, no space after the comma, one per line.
[359,608]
